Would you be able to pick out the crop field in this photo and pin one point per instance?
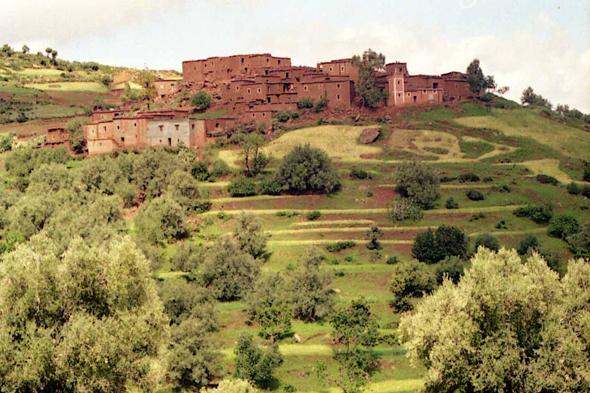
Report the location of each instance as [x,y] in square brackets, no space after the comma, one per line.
[71,86]
[348,214]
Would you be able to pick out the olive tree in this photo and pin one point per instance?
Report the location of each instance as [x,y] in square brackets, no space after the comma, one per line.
[419,182]
[308,169]
[506,326]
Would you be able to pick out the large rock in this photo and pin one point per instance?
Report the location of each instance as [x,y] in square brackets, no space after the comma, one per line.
[369,135]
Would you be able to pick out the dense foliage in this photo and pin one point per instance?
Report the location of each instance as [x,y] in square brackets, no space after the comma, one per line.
[308,169]
[434,246]
[489,333]
[419,182]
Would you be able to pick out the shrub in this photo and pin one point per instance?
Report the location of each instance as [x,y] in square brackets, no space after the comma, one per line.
[563,225]
[573,189]
[410,279]
[340,246]
[201,100]
[220,169]
[585,191]
[242,187]
[418,181]
[451,204]
[475,195]
[586,175]
[161,220]
[405,209]
[468,177]
[282,116]
[308,169]
[270,187]
[374,234]
[359,174]
[434,246]
[488,179]
[200,172]
[530,242]
[545,179]
[487,96]
[488,241]
[451,268]
[314,215]
[539,214]
[321,104]
[305,103]
[392,260]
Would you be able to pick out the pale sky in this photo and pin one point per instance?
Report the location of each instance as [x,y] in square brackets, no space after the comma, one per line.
[541,43]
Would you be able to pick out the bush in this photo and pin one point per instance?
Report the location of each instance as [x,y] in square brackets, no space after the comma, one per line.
[270,187]
[468,177]
[410,279]
[539,214]
[200,172]
[201,100]
[405,209]
[308,169]
[393,260]
[434,246]
[563,225]
[573,189]
[451,204]
[282,116]
[374,234]
[359,174]
[586,176]
[242,187]
[475,195]
[585,191]
[321,104]
[451,268]
[545,179]
[340,246]
[161,220]
[487,96]
[488,241]
[220,169]
[530,242]
[418,181]
[314,215]
[305,103]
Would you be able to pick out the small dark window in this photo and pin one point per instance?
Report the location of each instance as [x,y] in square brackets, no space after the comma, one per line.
[193,126]
[242,60]
[161,127]
[435,85]
[176,126]
[279,62]
[216,125]
[287,75]
[134,124]
[338,97]
[122,139]
[266,72]
[399,82]
[339,85]
[263,114]
[118,128]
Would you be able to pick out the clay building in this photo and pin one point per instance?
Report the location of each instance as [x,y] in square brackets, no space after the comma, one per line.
[165,87]
[164,127]
[57,137]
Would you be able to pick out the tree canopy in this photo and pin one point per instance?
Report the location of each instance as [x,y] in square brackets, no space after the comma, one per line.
[368,64]
[506,326]
[308,169]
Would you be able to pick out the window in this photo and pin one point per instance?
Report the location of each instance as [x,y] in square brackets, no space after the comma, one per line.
[400,69]
[338,97]
[342,68]
[134,124]
[193,126]
[305,88]
[242,60]
[176,126]
[263,114]
[339,85]
[330,68]
[216,125]
[122,139]
[399,94]
[399,82]
[259,90]
[249,91]
[287,75]
[279,62]
[105,128]
[266,72]
[424,91]
[435,85]
[253,114]
[161,128]
[237,88]
[118,128]
[408,94]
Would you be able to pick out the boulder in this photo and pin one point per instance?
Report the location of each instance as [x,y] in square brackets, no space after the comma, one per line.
[369,135]
[297,337]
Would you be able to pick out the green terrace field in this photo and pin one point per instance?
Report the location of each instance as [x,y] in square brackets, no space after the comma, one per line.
[497,147]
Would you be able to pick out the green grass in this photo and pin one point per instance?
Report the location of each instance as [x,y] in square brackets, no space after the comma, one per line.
[211,115]
[474,149]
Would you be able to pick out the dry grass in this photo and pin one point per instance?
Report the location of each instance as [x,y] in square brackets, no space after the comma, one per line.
[548,167]
[340,142]
[71,86]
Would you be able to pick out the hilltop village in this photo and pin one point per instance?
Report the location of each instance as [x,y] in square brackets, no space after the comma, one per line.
[252,88]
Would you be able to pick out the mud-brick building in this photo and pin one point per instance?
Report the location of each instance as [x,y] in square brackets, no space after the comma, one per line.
[168,127]
[165,87]
[57,137]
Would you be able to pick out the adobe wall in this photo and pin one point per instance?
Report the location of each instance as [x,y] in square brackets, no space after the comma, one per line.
[342,67]
[100,146]
[126,132]
[168,132]
[457,89]
[165,87]
[57,135]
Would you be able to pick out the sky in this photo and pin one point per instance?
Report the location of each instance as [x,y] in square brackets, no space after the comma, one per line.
[540,43]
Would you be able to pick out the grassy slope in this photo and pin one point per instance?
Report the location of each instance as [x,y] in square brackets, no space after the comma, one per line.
[348,214]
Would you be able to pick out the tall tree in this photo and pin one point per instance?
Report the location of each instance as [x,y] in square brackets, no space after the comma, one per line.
[26,49]
[506,326]
[254,364]
[478,82]
[146,80]
[49,51]
[368,64]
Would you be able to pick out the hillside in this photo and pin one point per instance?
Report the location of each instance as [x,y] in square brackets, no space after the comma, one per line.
[38,92]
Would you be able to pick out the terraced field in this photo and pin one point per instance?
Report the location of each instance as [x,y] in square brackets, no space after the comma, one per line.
[348,214]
